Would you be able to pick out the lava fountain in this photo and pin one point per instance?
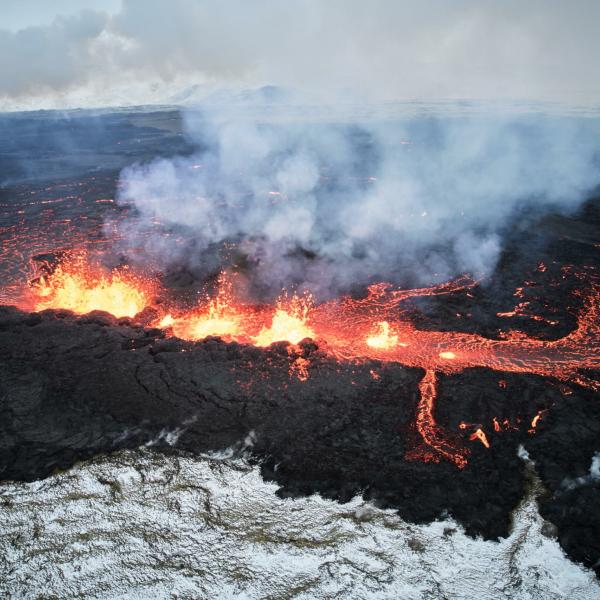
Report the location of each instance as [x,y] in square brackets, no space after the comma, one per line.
[375,327]
[77,286]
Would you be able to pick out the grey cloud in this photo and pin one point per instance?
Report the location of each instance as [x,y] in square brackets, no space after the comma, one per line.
[379,50]
[329,205]
[38,59]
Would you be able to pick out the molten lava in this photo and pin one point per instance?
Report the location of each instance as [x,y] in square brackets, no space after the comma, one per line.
[218,317]
[75,286]
[479,434]
[376,327]
[202,327]
[383,340]
[290,323]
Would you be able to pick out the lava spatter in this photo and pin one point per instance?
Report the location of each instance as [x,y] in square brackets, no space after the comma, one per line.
[77,286]
[375,327]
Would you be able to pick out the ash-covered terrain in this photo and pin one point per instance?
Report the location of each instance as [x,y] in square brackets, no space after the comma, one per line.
[74,388]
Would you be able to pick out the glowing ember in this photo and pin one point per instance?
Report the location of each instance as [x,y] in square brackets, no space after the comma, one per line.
[479,434]
[536,419]
[447,355]
[299,368]
[76,287]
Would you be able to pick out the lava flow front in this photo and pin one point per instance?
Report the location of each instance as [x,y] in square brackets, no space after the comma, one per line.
[376,327]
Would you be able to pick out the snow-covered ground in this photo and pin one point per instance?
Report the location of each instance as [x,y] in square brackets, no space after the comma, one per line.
[140,524]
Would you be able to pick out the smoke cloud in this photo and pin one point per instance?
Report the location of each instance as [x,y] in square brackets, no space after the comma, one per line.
[335,198]
[149,50]
[38,60]
[331,205]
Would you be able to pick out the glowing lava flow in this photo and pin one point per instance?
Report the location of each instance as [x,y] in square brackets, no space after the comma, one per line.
[432,434]
[372,327]
[452,352]
[377,326]
[75,286]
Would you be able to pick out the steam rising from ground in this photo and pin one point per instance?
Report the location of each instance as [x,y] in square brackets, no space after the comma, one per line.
[317,205]
[329,205]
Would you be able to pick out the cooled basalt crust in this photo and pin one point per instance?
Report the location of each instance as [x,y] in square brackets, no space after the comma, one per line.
[74,387]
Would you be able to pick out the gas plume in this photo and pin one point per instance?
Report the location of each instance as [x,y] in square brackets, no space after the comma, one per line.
[326,206]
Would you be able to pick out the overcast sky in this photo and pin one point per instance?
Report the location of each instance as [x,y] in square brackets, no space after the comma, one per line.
[82,52]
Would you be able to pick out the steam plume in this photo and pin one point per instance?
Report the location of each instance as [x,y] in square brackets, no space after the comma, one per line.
[328,206]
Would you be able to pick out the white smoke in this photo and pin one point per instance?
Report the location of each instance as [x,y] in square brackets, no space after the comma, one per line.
[593,476]
[148,50]
[327,206]
[42,59]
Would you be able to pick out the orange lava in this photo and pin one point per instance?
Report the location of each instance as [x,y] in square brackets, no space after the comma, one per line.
[376,327]
[382,339]
[479,434]
[75,286]
[224,317]
[289,323]
[217,317]
[433,435]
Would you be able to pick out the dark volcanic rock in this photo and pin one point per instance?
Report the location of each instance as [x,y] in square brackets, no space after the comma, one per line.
[575,512]
[73,387]
[568,440]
